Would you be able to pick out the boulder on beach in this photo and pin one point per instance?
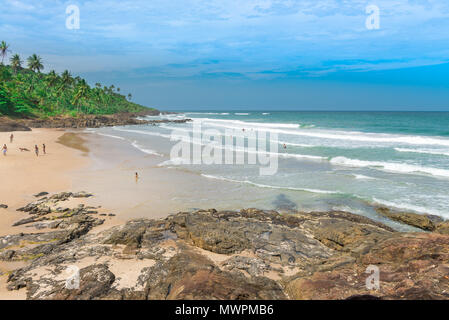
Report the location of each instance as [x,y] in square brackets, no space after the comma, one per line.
[41,194]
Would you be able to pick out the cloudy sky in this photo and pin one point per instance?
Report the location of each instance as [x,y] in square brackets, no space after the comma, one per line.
[246,54]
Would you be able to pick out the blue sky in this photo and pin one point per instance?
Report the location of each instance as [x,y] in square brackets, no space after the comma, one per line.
[247,54]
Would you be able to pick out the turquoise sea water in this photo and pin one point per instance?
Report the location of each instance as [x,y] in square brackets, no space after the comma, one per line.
[339,160]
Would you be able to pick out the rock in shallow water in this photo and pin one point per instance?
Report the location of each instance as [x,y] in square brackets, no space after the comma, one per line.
[210,254]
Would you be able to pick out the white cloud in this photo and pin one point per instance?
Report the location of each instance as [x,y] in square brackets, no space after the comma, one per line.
[262,34]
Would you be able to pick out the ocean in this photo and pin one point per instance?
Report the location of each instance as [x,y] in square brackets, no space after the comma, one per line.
[348,161]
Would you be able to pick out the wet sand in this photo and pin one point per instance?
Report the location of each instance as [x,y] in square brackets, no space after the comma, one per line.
[159,191]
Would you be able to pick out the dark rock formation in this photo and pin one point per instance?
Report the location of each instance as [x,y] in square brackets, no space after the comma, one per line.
[209,254]
[8,125]
[41,194]
[412,266]
[83,121]
[422,221]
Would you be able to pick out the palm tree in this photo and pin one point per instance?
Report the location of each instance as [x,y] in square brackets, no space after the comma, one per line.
[66,81]
[98,85]
[66,78]
[16,63]
[4,48]
[52,78]
[81,92]
[35,63]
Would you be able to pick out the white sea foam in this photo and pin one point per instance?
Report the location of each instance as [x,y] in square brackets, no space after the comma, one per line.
[238,124]
[390,166]
[149,133]
[145,150]
[411,207]
[269,186]
[233,148]
[328,134]
[173,162]
[110,136]
[402,168]
[425,151]
[208,113]
[363,177]
[297,144]
[241,114]
[223,135]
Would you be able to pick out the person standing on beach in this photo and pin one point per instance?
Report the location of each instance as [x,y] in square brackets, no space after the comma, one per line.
[36,150]
[137,177]
[43,148]
[11,138]
[4,149]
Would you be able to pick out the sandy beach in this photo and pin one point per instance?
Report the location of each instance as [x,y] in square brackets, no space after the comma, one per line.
[25,174]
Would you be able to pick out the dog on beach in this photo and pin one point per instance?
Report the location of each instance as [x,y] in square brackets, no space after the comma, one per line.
[23,149]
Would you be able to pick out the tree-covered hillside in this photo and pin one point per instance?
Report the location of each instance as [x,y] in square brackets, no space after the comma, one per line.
[27,92]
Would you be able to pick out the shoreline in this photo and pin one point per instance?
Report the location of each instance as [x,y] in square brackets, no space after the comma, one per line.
[24,175]
[83,121]
[71,165]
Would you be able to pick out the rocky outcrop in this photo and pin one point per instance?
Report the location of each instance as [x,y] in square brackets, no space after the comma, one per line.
[442,227]
[210,254]
[40,194]
[83,121]
[411,266]
[425,222]
[8,125]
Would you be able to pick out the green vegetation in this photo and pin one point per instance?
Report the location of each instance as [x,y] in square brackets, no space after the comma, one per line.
[26,92]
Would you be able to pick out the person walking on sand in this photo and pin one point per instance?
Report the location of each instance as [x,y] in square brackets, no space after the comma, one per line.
[137,177]
[11,138]
[36,150]
[43,148]
[4,149]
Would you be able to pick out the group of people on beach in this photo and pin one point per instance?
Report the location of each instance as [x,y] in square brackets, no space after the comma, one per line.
[36,148]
